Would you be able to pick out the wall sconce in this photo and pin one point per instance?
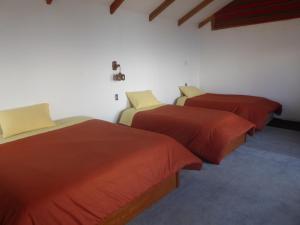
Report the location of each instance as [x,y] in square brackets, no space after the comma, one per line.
[118,76]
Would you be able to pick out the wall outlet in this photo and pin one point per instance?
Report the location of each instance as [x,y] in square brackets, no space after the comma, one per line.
[116,97]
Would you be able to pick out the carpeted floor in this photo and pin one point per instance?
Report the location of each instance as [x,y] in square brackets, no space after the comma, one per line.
[259,184]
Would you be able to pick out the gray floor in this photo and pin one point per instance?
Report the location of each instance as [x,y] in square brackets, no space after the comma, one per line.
[259,184]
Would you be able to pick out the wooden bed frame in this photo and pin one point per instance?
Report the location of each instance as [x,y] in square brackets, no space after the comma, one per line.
[138,205]
[234,144]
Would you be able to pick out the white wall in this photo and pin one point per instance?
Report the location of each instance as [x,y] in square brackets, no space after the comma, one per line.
[261,60]
[62,54]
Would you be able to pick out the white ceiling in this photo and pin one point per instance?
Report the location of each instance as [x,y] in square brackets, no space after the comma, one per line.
[174,11]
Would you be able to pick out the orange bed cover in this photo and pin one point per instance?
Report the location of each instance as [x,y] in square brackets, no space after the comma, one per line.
[254,109]
[204,131]
[83,173]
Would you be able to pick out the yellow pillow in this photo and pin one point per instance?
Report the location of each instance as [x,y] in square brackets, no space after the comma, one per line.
[20,120]
[190,91]
[142,99]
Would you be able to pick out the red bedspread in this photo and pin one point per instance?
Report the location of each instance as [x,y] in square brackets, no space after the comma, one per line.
[205,132]
[83,173]
[254,109]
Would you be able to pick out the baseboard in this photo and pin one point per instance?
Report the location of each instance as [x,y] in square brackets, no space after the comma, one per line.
[285,124]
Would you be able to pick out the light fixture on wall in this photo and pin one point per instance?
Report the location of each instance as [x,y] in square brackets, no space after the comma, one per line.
[119,76]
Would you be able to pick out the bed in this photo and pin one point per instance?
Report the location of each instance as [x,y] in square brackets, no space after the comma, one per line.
[209,134]
[86,171]
[258,110]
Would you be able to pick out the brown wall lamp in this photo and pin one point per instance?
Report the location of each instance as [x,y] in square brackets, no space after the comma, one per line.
[118,76]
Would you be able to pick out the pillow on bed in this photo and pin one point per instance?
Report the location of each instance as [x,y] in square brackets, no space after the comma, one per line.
[20,120]
[190,91]
[142,99]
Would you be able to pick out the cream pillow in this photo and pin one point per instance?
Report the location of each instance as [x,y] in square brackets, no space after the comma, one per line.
[20,120]
[142,99]
[190,91]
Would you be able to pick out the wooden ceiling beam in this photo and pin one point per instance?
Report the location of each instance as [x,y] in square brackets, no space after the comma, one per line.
[49,2]
[194,11]
[165,4]
[115,5]
[205,21]
[242,13]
